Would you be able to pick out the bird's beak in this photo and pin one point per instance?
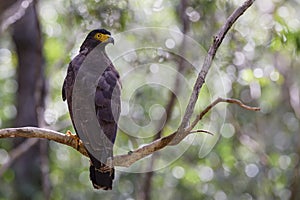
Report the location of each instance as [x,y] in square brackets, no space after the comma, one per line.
[110,40]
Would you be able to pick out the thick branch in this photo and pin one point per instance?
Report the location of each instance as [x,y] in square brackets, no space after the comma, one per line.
[121,160]
[33,132]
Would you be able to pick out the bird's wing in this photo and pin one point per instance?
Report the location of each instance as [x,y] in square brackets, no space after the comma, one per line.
[107,102]
[63,91]
[73,68]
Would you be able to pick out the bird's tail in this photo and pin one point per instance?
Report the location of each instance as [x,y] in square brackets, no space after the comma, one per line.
[102,178]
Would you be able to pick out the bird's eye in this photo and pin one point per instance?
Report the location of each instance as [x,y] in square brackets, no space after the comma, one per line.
[98,36]
[101,37]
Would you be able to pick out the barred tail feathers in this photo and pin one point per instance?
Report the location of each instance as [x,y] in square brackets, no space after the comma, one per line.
[103,177]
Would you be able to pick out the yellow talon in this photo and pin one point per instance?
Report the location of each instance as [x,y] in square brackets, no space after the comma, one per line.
[74,137]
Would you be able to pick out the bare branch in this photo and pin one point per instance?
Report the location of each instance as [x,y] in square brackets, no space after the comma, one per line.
[219,100]
[201,131]
[34,132]
[121,160]
[133,156]
[207,64]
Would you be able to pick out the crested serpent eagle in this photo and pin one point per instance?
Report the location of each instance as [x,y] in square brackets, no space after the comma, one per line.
[101,175]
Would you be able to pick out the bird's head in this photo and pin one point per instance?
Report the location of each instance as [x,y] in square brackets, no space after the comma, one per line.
[96,37]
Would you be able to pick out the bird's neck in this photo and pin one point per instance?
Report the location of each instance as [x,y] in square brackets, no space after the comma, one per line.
[87,49]
[88,45]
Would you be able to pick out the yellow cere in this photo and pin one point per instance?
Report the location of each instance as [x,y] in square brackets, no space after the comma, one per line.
[101,37]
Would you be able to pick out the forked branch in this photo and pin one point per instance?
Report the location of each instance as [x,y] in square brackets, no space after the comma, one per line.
[120,160]
[172,139]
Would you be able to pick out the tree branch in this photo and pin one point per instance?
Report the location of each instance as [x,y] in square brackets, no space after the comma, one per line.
[121,160]
[133,156]
[34,132]
[206,66]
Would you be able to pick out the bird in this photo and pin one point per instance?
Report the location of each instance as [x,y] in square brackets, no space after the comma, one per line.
[101,175]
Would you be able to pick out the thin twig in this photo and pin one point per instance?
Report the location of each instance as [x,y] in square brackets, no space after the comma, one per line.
[201,131]
[219,100]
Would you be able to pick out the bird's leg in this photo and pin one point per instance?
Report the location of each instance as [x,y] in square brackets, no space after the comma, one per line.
[74,137]
[107,167]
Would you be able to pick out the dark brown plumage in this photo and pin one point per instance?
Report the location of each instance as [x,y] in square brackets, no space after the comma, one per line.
[107,102]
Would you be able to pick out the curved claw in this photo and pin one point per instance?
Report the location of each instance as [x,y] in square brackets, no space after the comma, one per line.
[74,137]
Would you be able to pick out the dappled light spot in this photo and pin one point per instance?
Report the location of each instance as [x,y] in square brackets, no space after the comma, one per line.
[125,187]
[205,173]
[170,43]
[249,47]
[290,121]
[154,68]
[158,6]
[193,15]
[156,112]
[239,58]
[255,90]
[258,73]
[266,5]
[3,156]
[274,76]
[220,195]
[283,11]
[10,86]
[84,178]
[50,116]
[209,189]
[281,141]
[178,172]
[10,111]
[284,162]
[251,170]
[284,194]
[5,56]
[25,4]
[130,56]
[227,130]
[246,196]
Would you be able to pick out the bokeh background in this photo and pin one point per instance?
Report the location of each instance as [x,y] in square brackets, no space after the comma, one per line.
[252,155]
